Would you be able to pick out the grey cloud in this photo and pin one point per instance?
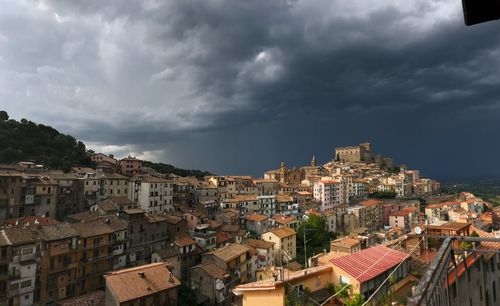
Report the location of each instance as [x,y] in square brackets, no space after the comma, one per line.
[158,77]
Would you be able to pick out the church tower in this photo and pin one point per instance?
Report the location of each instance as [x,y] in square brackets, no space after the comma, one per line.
[313,161]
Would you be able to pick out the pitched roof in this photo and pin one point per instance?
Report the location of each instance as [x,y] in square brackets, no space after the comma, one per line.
[184,241]
[95,298]
[346,242]
[31,220]
[172,219]
[58,232]
[369,263]
[268,284]
[222,237]
[282,232]
[18,235]
[443,204]
[213,270]
[255,217]
[259,244]
[168,252]
[230,251]
[133,283]
[92,228]
[283,219]
[371,202]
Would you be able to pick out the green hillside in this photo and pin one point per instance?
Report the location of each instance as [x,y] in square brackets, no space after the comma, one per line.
[27,141]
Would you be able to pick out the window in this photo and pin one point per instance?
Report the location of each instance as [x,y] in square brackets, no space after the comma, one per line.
[26,284]
[27,251]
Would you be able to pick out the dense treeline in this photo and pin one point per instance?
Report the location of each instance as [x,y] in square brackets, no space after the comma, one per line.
[169,169]
[27,141]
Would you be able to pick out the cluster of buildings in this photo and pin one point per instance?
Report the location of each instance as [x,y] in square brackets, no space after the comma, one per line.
[121,234]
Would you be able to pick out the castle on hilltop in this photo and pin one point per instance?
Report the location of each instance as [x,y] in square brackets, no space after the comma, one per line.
[354,154]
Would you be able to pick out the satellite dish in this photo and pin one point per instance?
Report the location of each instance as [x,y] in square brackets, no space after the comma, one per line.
[418,230]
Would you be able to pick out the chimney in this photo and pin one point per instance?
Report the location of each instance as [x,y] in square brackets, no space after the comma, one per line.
[170,277]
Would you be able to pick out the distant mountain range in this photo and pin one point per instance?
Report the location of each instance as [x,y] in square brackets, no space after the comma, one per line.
[486,188]
[25,140]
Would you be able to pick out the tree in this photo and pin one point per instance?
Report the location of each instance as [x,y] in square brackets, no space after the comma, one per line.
[355,300]
[4,116]
[317,237]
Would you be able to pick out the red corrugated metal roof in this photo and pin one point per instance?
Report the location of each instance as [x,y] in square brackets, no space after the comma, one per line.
[369,263]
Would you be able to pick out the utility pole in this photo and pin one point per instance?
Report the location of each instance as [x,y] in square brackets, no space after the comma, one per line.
[305,245]
[305,248]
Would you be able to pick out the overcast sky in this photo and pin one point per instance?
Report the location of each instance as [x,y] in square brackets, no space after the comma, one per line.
[236,86]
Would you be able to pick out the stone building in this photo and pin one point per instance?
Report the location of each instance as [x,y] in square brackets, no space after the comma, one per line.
[354,154]
[148,285]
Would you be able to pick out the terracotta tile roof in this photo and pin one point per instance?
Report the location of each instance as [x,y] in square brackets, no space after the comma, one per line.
[345,242]
[184,241]
[454,226]
[443,204]
[58,231]
[371,202]
[231,251]
[259,244]
[145,178]
[132,211]
[172,219]
[304,193]
[168,252]
[282,232]
[265,181]
[283,219]
[483,234]
[31,220]
[213,270]
[4,240]
[87,215]
[289,276]
[222,237]
[401,213]
[133,283]
[369,263]
[95,298]
[255,218]
[92,228]
[281,198]
[18,235]
[329,182]
[231,228]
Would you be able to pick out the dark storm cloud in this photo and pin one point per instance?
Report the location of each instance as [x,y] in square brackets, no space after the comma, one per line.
[193,82]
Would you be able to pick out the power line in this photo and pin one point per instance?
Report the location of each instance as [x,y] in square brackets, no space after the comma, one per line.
[390,274]
[369,268]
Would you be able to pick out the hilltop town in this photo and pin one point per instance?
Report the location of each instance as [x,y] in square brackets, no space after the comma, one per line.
[351,230]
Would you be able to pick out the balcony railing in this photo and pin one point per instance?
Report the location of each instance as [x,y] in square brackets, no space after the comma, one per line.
[433,286]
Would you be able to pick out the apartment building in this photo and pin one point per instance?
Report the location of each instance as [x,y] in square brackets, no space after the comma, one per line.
[153,194]
[112,185]
[329,193]
[94,255]
[58,265]
[234,259]
[130,166]
[21,256]
[148,285]
[210,282]
[284,239]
